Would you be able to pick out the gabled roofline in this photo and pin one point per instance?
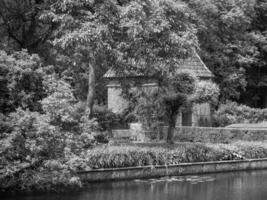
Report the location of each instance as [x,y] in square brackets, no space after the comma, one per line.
[111,74]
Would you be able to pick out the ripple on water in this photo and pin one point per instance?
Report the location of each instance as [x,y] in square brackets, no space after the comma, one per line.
[190,179]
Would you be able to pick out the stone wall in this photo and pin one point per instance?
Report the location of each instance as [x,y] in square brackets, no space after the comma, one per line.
[116,103]
[196,134]
[217,135]
[198,115]
[170,170]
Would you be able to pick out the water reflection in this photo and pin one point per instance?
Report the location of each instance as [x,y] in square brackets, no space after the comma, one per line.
[226,186]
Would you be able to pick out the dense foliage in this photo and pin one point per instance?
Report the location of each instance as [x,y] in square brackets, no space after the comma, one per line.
[32,154]
[141,36]
[232,36]
[21,82]
[147,107]
[133,35]
[206,92]
[53,55]
[232,113]
[164,102]
[45,129]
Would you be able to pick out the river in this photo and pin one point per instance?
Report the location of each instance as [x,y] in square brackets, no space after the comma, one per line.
[251,185]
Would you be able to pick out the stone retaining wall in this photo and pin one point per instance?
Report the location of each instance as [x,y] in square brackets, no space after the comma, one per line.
[218,135]
[197,134]
[171,170]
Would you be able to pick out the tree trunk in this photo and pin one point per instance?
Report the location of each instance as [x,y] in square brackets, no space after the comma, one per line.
[91,91]
[171,128]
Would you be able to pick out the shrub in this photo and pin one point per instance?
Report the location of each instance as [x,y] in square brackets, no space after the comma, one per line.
[5,126]
[53,175]
[37,155]
[206,91]
[248,150]
[163,103]
[232,113]
[106,119]
[21,81]
[27,151]
[33,143]
[148,109]
[130,156]
[32,137]
[60,104]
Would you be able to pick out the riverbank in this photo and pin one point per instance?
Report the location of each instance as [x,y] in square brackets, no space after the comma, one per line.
[145,157]
[243,185]
[148,172]
[146,154]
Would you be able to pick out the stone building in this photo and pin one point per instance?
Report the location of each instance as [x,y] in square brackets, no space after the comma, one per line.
[198,115]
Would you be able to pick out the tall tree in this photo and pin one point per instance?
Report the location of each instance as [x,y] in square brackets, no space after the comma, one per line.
[84,36]
[148,37]
[231,35]
[176,95]
[256,72]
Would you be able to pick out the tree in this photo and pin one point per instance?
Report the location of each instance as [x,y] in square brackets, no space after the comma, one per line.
[154,36]
[165,102]
[256,71]
[84,36]
[176,94]
[232,40]
[141,36]
[22,27]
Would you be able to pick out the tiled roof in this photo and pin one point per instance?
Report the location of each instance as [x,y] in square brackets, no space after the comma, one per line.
[197,66]
[194,64]
[112,74]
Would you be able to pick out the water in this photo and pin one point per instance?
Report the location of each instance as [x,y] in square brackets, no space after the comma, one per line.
[250,185]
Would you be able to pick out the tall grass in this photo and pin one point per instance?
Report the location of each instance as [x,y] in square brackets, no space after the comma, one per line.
[132,156]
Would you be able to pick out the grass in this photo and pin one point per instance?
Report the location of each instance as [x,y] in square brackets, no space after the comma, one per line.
[132,155]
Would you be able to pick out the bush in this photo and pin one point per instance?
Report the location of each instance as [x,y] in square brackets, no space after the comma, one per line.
[247,150]
[37,155]
[37,149]
[32,154]
[21,81]
[106,119]
[32,138]
[148,109]
[5,126]
[206,91]
[52,176]
[60,104]
[131,156]
[232,113]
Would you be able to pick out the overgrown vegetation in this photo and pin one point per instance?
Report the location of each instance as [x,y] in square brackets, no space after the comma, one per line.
[232,37]
[162,154]
[233,113]
[154,106]
[37,142]
[54,53]
[163,103]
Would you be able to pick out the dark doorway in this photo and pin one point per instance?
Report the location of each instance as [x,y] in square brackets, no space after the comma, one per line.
[187,117]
